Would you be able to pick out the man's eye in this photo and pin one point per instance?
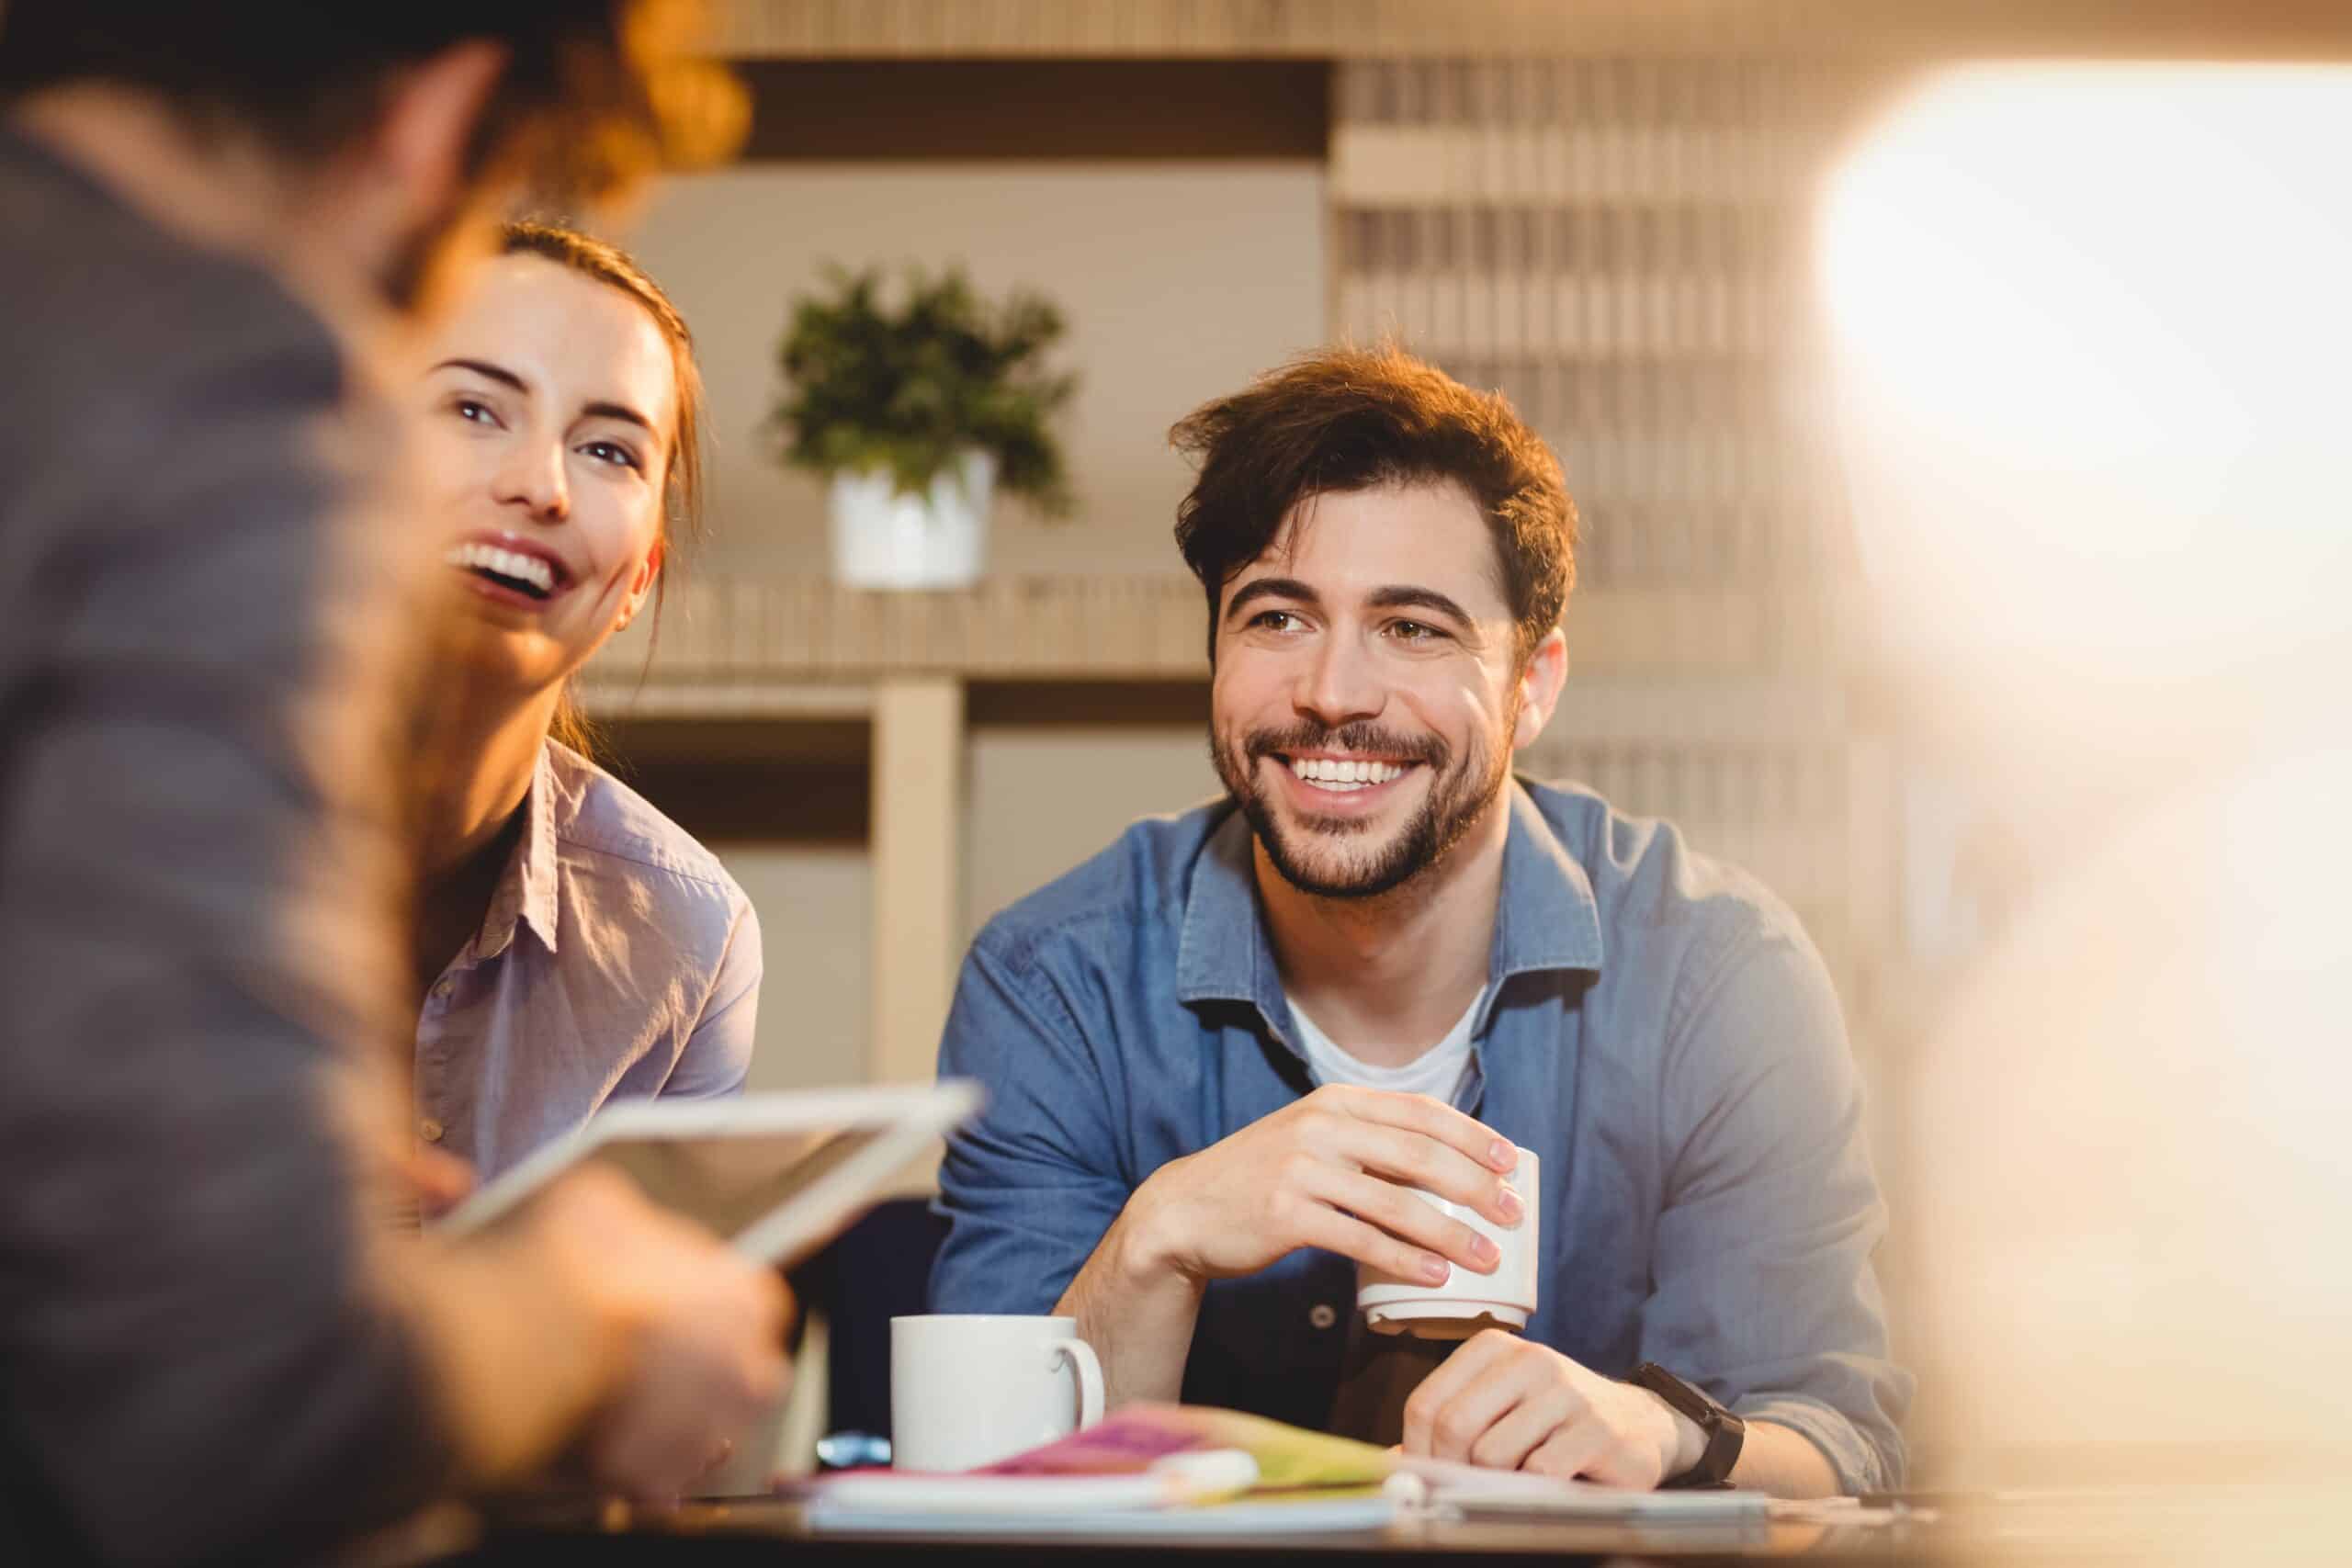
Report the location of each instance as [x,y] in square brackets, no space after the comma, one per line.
[1275,620]
[1414,631]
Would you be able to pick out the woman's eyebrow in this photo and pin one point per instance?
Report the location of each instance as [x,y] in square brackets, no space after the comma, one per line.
[621,411]
[487,371]
[505,378]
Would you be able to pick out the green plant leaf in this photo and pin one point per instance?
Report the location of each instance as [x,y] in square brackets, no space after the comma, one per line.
[906,390]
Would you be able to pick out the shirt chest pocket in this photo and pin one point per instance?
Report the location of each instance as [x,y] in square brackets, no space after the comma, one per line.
[1290,1319]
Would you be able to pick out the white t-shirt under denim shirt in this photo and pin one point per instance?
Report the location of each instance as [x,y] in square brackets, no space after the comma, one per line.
[618,961]
[1439,1072]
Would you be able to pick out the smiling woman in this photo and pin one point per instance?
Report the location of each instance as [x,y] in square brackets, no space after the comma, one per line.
[573,944]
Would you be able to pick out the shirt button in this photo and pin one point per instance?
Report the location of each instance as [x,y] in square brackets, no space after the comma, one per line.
[443,987]
[430,1129]
[1323,1315]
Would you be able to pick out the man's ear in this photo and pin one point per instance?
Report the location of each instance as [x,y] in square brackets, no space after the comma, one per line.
[648,572]
[1540,681]
[431,114]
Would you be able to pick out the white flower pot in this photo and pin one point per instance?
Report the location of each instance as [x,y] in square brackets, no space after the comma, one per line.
[937,539]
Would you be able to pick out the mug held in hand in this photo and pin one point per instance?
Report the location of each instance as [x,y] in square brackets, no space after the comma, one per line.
[1467,1301]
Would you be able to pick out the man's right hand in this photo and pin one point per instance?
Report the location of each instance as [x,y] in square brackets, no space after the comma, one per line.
[1331,1171]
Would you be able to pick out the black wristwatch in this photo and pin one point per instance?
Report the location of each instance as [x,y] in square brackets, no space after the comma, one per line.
[1724,1431]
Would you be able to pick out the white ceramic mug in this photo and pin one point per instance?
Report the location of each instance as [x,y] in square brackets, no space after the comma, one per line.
[1467,1300]
[968,1390]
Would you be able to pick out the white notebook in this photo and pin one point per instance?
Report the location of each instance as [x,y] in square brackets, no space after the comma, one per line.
[778,1175]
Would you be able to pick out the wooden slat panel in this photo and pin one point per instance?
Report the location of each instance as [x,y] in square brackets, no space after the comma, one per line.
[1515,28]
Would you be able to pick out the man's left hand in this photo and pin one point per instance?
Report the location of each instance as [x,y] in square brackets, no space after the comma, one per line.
[1508,1404]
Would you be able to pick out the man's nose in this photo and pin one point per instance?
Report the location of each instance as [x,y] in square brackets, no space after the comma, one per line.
[1339,686]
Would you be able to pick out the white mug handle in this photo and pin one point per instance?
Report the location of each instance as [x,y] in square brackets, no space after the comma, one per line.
[1080,1357]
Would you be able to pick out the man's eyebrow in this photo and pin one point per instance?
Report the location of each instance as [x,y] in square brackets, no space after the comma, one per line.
[487,371]
[1403,597]
[1259,588]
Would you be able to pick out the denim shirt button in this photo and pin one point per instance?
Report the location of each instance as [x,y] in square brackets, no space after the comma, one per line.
[1323,1314]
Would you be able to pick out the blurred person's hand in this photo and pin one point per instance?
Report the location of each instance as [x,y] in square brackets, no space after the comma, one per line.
[700,1333]
[594,1321]
[435,1180]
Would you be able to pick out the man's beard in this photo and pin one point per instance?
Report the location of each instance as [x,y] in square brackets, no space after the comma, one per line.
[1458,796]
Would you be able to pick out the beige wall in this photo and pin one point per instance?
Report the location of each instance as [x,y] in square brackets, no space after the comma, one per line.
[1044,798]
[1039,799]
[1180,281]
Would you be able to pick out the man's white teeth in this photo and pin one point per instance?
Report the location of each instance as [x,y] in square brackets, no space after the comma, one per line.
[1331,773]
[506,563]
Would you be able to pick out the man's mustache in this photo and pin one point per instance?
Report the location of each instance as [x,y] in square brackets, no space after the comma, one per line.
[1366,738]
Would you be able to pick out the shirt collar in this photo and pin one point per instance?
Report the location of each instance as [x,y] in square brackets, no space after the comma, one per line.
[1547,919]
[527,891]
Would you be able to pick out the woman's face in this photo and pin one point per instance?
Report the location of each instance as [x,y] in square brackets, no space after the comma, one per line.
[551,413]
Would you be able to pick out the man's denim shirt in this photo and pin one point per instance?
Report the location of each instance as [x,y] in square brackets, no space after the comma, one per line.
[1656,1027]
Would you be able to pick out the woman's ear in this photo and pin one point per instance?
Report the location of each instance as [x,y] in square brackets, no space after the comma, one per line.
[648,572]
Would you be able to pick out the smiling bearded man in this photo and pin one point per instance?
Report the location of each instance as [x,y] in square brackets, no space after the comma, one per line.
[1359,759]
[1220,1054]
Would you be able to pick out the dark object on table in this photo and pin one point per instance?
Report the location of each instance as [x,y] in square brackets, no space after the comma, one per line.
[877,1269]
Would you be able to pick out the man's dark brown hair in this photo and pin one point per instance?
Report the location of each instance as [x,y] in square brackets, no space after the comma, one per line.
[594,93]
[1348,419]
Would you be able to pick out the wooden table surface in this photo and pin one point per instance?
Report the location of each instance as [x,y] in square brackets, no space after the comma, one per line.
[2302,1522]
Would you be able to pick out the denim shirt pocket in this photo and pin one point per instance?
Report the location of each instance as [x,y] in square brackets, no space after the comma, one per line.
[1287,1321]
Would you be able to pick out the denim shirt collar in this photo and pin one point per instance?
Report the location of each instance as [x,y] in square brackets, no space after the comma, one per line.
[526,890]
[1547,919]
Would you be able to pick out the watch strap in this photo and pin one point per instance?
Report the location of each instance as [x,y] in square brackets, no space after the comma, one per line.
[1724,1432]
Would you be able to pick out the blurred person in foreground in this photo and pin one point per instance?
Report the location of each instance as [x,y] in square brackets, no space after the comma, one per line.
[213,1344]
[1219,1053]
[575,945]
[2090,337]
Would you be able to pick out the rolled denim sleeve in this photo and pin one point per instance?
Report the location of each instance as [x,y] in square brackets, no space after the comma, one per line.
[1031,1185]
[1764,1290]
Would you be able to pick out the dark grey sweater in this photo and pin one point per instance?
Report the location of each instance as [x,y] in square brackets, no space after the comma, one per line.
[198,938]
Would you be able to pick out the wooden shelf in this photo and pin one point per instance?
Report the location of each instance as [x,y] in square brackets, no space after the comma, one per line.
[788,645]
[807,648]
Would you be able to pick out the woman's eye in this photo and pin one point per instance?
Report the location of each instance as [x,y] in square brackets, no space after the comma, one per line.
[473,411]
[612,452]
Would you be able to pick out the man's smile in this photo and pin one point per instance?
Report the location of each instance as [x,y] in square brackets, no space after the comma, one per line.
[1321,780]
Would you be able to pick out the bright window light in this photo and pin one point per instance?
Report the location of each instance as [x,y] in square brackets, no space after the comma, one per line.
[2092,327]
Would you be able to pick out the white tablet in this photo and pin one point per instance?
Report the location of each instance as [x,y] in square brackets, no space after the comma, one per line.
[778,1175]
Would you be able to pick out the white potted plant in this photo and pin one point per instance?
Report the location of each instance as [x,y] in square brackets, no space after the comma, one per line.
[920,413]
